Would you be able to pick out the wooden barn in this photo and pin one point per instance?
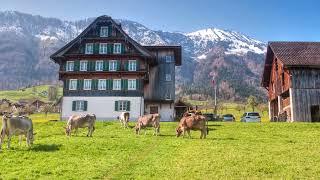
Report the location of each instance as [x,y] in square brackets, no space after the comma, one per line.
[106,72]
[292,77]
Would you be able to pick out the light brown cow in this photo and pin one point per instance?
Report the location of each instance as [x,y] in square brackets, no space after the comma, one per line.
[124,119]
[81,121]
[16,125]
[150,120]
[192,122]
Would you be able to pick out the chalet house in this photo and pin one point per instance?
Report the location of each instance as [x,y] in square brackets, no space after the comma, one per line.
[292,77]
[106,72]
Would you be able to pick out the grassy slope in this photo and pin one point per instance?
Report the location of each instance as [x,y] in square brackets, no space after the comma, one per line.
[15,95]
[236,150]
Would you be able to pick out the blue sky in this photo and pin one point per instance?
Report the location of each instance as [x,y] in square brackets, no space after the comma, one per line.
[264,20]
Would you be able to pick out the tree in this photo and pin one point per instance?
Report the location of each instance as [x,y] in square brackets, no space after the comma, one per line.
[52,93]
[262,108]
[46,109]
[239,108]
[252,102]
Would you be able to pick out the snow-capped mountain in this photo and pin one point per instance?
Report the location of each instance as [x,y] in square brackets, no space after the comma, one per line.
[27,41]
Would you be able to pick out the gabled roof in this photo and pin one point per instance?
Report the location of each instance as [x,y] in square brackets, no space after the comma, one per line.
[65,48]
[291,54]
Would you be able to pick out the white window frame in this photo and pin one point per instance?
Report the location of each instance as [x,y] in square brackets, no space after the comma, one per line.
[132,84]
[103,50]
[70,68]
[130,67]
[89,85]
[87,50]
[107,32]
[168,59]
[100,86]
[116,86]
[115,50]
[168,77]
[79,106]
[113,64]
[97,67]
[71,86]
[122,105]
[81,68]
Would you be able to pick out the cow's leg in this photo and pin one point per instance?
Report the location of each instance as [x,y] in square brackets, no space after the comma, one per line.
[93,128]
[204,133]
[188,131]
[2,137]
[20,139]
[9,140]
[145,131]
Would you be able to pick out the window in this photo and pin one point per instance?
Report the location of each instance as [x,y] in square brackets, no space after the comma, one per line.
[83,65]
[102,84]
[79,105]
[70,66]
[168,77]
[122,105]
[87,84]
[104,31]
[117,48]
[113,65]
[132,84]
[89,48]
[116,84]
[103,48]
[168,59]
[73,84]
[132,65]
[99,65]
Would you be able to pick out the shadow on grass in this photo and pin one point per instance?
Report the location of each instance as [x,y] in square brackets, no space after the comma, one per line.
[214,125]
[223,139]
[167,135]
[46,147]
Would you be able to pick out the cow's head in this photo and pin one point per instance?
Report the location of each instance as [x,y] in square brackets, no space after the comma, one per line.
[137,127]
[31,137]
[68,130]
[178,131]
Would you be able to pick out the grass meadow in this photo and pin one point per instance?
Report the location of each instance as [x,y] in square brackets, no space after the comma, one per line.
[231,150]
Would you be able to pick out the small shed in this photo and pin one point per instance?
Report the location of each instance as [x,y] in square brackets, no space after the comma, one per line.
[181,107]
[37,104]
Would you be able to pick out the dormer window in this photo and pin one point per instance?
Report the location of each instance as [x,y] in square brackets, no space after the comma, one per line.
[89,48]
[117,48]
[104,31]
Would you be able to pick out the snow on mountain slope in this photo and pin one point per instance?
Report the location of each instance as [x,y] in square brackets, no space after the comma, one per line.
[234,42]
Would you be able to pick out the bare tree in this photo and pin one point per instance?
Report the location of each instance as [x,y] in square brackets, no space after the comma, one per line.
[52,93]
[252,102]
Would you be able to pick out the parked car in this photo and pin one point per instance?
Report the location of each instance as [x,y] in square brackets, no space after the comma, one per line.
[251,117]
[212,117]
[228,117]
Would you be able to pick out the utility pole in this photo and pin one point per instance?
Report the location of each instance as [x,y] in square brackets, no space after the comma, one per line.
[215,96]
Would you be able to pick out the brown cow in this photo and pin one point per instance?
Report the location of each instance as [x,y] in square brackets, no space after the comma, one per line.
[81,121]
[16,125]
[150,120]
[192,122]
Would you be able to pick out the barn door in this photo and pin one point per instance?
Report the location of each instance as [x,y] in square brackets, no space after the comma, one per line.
[315,113]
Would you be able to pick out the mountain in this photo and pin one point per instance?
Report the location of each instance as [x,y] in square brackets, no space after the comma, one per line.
[232,58]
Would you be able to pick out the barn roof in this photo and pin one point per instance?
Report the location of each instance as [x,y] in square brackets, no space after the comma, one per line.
[291,54]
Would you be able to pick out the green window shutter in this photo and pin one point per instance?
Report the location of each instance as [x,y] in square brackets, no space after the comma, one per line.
[126,84]
[116,103]
[109,31]
[76,65]
[138,65]
[122,48]
[64,66]
[82,49]
[93,66]
[126,65]
[111,84]
[73,105]
[122,84]
[138,84]
[96,48]
[92,84]
[118,65]
[80,84]
[105,65]
[110,48]
[128,106]
[85,105]
[96,84]
[66,83]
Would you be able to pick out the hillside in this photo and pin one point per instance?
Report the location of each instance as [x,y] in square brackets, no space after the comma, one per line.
[27,41]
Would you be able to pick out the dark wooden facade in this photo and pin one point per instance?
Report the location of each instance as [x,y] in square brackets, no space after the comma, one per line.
[292,78]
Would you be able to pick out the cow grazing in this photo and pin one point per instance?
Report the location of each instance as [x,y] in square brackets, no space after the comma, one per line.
[192,122]
[16,125]
[81,121]
[150,120]
[124,119]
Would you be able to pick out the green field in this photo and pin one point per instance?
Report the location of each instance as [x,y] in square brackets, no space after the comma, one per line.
[28,93]
[232,150]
